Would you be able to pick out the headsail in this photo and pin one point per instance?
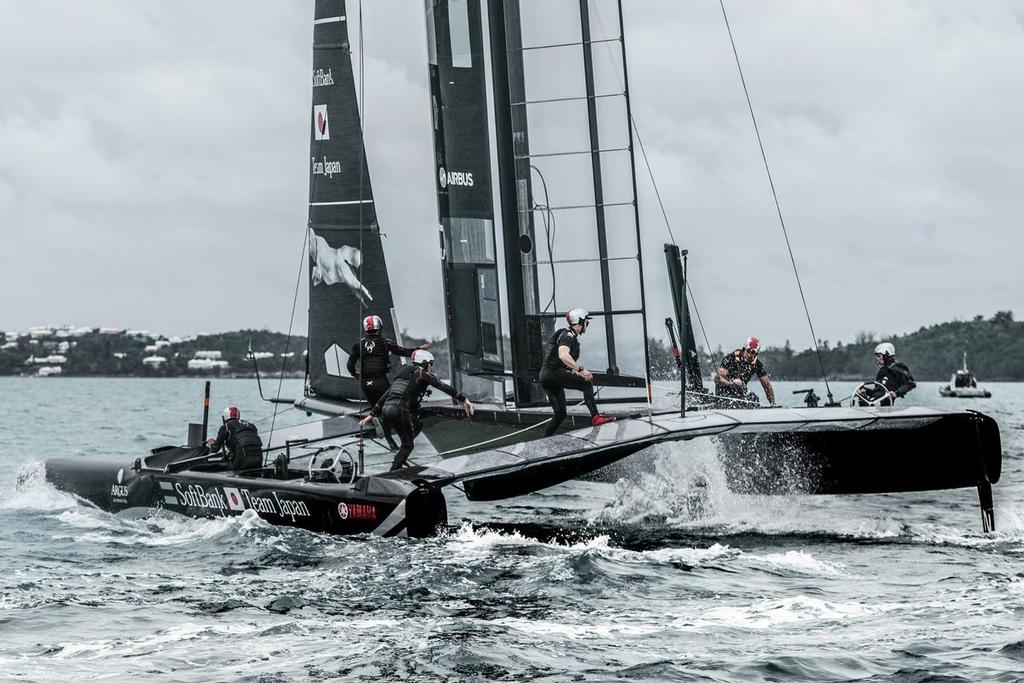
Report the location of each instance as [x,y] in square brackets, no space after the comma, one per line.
[348,276]
[462,166]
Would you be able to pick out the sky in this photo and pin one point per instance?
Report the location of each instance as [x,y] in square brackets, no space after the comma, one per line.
[153,162]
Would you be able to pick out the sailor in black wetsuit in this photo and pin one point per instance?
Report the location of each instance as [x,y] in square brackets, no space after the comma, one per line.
[894,379]
[736,370]
[397,408]
[370,360]
[561,371]
[244,446]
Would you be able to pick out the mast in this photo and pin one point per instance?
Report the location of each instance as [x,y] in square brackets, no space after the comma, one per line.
[518,237]
[348,274]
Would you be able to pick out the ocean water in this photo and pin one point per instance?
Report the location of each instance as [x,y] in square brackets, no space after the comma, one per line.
[663,575]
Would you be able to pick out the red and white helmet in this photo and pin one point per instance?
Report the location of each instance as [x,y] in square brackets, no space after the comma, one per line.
[422,357]
[753,344]
[231,413]
[373,323]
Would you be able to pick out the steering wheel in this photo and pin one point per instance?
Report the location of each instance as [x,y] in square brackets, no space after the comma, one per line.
[883,399]
[332,465]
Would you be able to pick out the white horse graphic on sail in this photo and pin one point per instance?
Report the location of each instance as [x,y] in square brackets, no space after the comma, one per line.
[333,265]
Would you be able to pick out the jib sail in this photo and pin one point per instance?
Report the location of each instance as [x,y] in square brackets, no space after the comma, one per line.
[347,275]
[458,96]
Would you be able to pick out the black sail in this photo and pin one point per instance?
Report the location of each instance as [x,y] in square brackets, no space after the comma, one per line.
[458,94]
[348,275]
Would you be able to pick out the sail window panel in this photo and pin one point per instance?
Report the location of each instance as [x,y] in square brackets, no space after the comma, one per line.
[553,74]
[573,234]
[562,127]
[624,277]
[616,177]
[568,180]
[562,286]
[606,59]
[548,22]
[469,240]
[604,20]
[630,344]
[558,127]
[458,26]
[431,33]
[620,232]
[490,315]
[557,74]
[613,122]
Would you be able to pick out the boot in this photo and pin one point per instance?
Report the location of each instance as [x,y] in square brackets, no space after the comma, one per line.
[599,420]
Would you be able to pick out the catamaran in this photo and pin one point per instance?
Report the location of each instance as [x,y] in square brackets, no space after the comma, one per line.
[569,232]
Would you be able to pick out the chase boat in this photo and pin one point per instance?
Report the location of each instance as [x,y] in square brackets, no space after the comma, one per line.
[963,385]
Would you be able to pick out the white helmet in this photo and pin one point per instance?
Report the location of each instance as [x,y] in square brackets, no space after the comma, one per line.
[421,357]
[578,316]
[886,350]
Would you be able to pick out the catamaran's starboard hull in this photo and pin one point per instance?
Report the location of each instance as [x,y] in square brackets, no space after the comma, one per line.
[807,450]
[955,451]
[370,505]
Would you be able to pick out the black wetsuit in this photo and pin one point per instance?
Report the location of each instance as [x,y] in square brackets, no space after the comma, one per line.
[738,368]
[370,362]
[397,408]
[555,378]
[894,376]
[244,446]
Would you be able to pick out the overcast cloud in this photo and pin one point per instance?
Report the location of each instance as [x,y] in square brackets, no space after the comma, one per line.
[153,162]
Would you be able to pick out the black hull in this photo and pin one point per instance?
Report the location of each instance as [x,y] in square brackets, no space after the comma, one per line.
[370,505]
[959,451]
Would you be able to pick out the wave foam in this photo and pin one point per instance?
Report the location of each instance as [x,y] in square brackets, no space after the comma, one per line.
[33,492]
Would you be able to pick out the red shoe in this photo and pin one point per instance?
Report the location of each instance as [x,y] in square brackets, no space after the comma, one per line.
[599,420]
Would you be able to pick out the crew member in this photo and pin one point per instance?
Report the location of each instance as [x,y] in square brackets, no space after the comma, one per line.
[370,359]
[894,378]
[562,370]
[397,408]
[244,446]
[736,370]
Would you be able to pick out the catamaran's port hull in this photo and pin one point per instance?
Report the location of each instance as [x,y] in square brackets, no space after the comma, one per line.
[370,505]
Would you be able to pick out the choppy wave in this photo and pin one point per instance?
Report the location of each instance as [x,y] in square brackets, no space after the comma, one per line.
[664,575]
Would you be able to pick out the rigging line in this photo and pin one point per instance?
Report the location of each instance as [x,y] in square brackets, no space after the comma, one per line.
[288,339]
[548,218]
[650,172]
[775,196]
